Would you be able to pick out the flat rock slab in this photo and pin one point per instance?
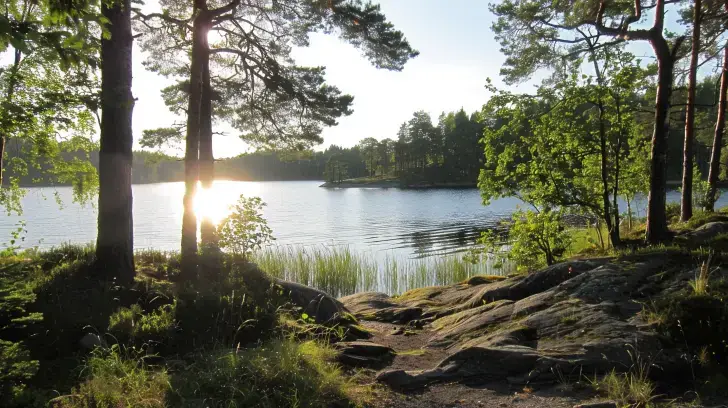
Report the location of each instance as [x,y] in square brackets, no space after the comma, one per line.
[364,353]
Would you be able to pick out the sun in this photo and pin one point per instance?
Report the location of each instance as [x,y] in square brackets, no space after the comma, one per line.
[208,204]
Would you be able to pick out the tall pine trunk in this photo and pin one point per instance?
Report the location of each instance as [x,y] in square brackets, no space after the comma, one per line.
[718,137]
[115,240]
[657,230]
[192,146]
[207,175]
[686,200]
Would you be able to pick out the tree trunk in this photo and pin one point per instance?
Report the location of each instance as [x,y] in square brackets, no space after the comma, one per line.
[657,230]
[686,199]
[718,137]
[115,240]
[207,163]
[189,219]
[8,97]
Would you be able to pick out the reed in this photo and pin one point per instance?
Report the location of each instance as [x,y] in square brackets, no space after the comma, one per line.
[340,272]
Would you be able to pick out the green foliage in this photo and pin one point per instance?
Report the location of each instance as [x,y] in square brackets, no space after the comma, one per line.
[535,239]
[292,104]
[574,145]
[142,327]
[245,230]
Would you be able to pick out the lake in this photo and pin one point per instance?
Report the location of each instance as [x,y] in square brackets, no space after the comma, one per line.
[403,224]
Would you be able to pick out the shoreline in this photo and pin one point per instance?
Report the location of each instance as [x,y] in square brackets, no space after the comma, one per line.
[398,184]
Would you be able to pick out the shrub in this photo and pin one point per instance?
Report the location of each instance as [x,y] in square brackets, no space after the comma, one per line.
[245,230]
[535,239]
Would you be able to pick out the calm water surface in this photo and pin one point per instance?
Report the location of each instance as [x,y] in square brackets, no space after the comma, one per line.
[387,222]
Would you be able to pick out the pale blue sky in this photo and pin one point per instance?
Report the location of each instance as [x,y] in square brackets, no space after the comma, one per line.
[457,54]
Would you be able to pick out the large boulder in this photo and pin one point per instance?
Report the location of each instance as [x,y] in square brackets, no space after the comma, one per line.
[318,304]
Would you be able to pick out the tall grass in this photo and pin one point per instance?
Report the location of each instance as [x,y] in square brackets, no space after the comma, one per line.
[340,272]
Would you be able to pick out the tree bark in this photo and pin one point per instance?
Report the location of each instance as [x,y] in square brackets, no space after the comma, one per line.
[115,239]
[12,83]
[188,248]
[657,230]
[207,162]
[686,199]
[718,137]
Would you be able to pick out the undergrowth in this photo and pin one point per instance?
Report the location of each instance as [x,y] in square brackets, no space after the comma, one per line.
[160,343]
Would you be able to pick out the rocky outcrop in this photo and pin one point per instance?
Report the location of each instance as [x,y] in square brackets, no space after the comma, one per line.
[576,318]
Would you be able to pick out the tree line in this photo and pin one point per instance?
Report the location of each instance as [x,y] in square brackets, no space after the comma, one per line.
[446,151]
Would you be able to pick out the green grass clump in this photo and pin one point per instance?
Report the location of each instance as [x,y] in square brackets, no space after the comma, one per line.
[118,378]
[633,389]
[279,373]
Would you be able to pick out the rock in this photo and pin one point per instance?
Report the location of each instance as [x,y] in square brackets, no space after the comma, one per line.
[597,405]
[361,353]
[316,303]
[397,331]
[400,379]
[705,233]
[90,341]
[380,307]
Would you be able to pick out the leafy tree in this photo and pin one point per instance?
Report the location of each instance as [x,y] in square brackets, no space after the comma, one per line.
[567,146]
[245,230]
[385,150]
[546,34]
[369,149]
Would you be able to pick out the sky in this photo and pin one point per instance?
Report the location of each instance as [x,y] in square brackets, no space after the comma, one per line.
[457,54]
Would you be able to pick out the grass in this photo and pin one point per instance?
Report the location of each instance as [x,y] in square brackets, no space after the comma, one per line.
[339,272]
[699,284]
[627,389]
[219,342]
[280,373]
[632,388]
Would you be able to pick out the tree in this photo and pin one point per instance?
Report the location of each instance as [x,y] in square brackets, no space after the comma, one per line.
[48,88]
[686,198]
[549,149]
[385,149]
[369,149]
[115,240]
[719,130]
[257,88]
[546,34]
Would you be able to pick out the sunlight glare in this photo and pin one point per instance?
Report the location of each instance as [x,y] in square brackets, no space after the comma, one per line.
[209,204]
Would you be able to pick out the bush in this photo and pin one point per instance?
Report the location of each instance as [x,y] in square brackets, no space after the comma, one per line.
[535,239]
[245,230]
